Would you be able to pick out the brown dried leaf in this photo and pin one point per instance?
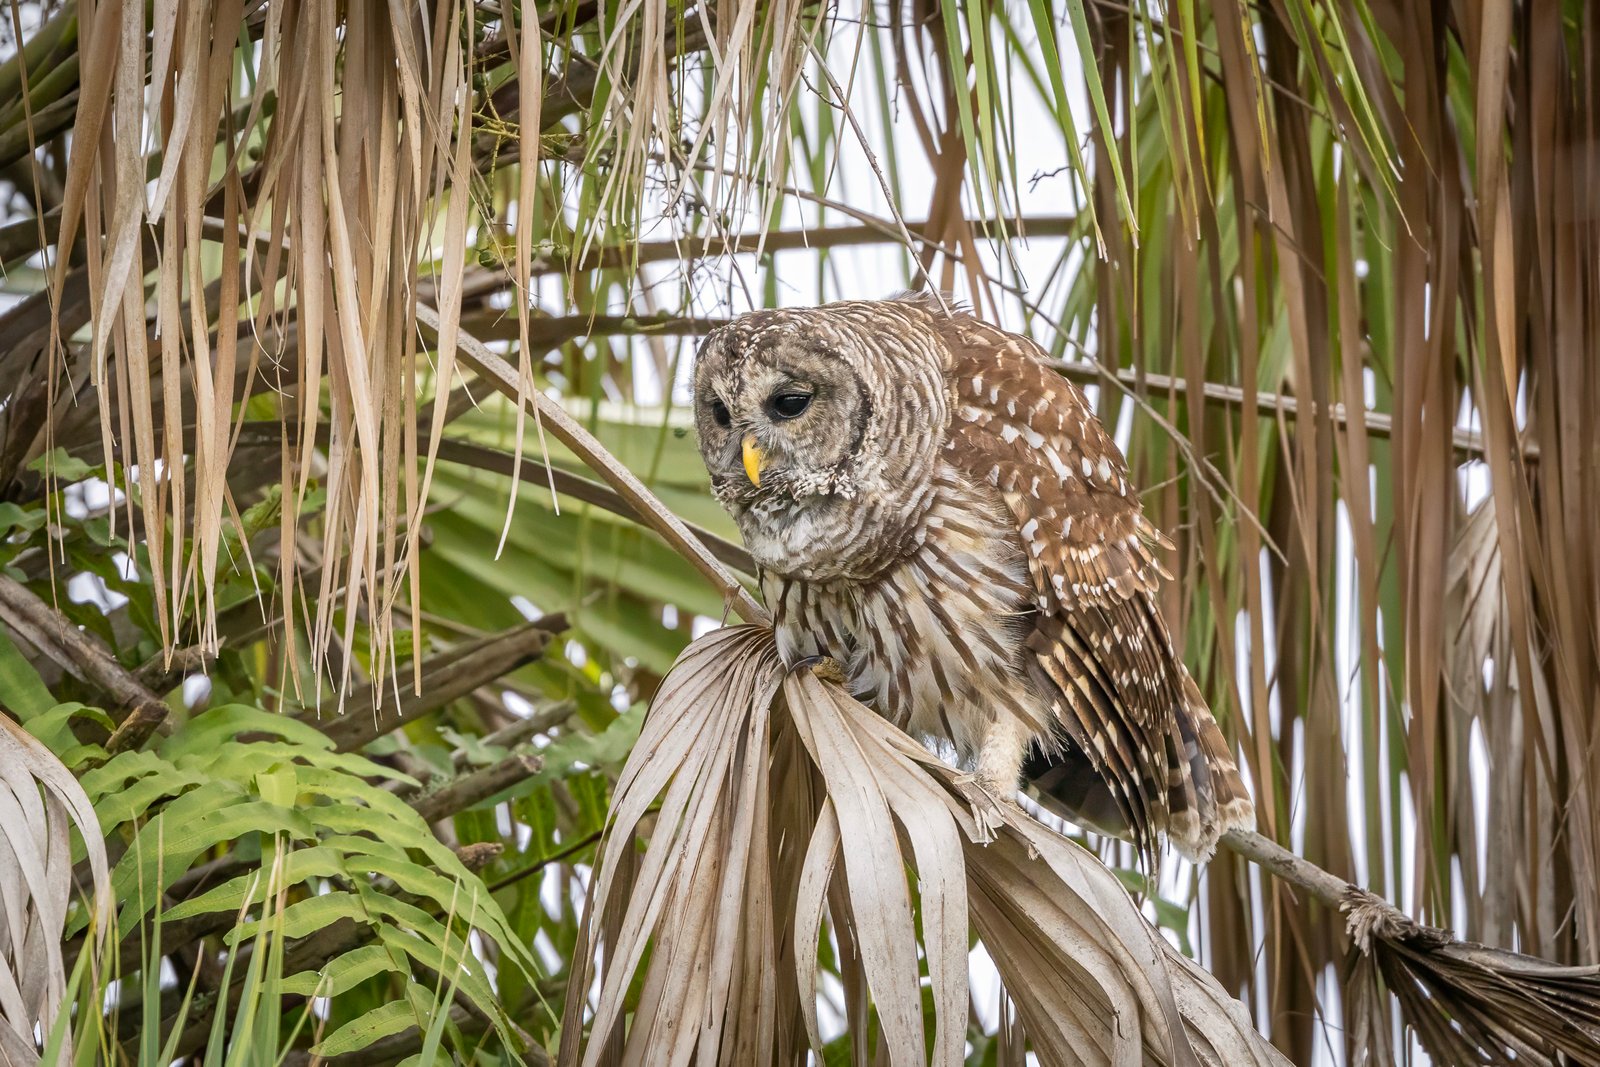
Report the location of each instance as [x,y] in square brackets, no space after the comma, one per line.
[39,801]
[1090,979]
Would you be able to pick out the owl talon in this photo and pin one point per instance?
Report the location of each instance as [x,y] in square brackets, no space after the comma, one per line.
[988,815]
[823,668]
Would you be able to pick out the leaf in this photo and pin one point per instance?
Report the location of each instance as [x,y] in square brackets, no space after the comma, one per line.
[342,973]
[385,1021]
[61,466]
[21,689]
[16,518]
[1090,979]
[135,800]
[299,865]
[40,803]
[303,917]
[712,707]
[53,728]
[215,813]
[579,750]
[201,735]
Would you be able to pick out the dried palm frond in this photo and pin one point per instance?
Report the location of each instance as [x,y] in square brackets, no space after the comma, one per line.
[1466,1003]
[40,801]
[1475,1004]
[773,812]
[350,179]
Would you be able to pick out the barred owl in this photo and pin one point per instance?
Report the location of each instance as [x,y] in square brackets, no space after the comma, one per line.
[935,509]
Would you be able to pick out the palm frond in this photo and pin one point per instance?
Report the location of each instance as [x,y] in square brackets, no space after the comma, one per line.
[769,814]
[1470,1003]
[40,804]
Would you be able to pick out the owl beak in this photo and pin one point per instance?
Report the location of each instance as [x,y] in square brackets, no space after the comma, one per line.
[753,459]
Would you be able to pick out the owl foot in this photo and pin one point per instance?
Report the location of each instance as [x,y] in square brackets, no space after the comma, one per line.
[823,668]
[986,799]
[994,779]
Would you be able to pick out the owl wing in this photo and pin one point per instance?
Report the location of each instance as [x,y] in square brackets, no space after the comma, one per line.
[1099,651]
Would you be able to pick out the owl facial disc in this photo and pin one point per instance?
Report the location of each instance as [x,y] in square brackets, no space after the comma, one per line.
[820,428]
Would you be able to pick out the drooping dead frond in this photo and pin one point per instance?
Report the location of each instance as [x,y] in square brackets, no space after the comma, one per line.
[703,909]
[268,238]
[40,801]
[333,162]
[773,816]
[1467,1003]
[1475,1004]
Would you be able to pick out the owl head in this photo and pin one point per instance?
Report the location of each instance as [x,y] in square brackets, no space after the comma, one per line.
[821,428]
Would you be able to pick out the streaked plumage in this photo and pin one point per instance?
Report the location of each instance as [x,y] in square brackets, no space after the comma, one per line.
[943,514]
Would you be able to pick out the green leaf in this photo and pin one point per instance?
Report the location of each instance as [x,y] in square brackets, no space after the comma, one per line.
[342,973]
[386,1021]
[201,819]
[14,517]
[305,917]
[135,801]
[210,729]
[450,957]
[301,864]
[63,467]
[22,691]
[119,770]
[279,786]
[54,727]
[577,750]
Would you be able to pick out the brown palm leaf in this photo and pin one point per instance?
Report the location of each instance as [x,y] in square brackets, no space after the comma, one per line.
[774,812]
[1470,1003]
[40,801]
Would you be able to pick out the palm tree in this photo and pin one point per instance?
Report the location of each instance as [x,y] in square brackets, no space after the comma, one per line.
[352,521]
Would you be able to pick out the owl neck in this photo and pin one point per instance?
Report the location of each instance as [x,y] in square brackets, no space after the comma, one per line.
[838,538]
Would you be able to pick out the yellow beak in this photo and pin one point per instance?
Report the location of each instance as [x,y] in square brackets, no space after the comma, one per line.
[753,459]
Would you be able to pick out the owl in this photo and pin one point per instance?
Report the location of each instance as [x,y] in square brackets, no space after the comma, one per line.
[932,507]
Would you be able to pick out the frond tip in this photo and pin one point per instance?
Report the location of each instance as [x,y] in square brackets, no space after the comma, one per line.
[782,801]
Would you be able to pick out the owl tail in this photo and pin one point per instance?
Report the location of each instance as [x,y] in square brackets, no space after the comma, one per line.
[1206,796]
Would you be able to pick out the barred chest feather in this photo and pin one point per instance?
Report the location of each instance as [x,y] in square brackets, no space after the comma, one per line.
[934,642]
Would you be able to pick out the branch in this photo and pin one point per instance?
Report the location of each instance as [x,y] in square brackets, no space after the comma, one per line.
[134,708]
[551,331]
[1467,443]
[467,790]
[814,237]
[495,325]
[1457,995]
[541,721]
[447,676]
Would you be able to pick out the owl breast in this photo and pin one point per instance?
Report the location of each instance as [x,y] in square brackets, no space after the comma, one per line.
[935,641]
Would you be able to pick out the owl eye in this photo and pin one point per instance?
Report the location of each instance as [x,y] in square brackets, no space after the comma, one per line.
[789,405]
[719,413]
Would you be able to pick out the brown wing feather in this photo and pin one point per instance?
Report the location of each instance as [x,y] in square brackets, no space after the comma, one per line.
[1101,654]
